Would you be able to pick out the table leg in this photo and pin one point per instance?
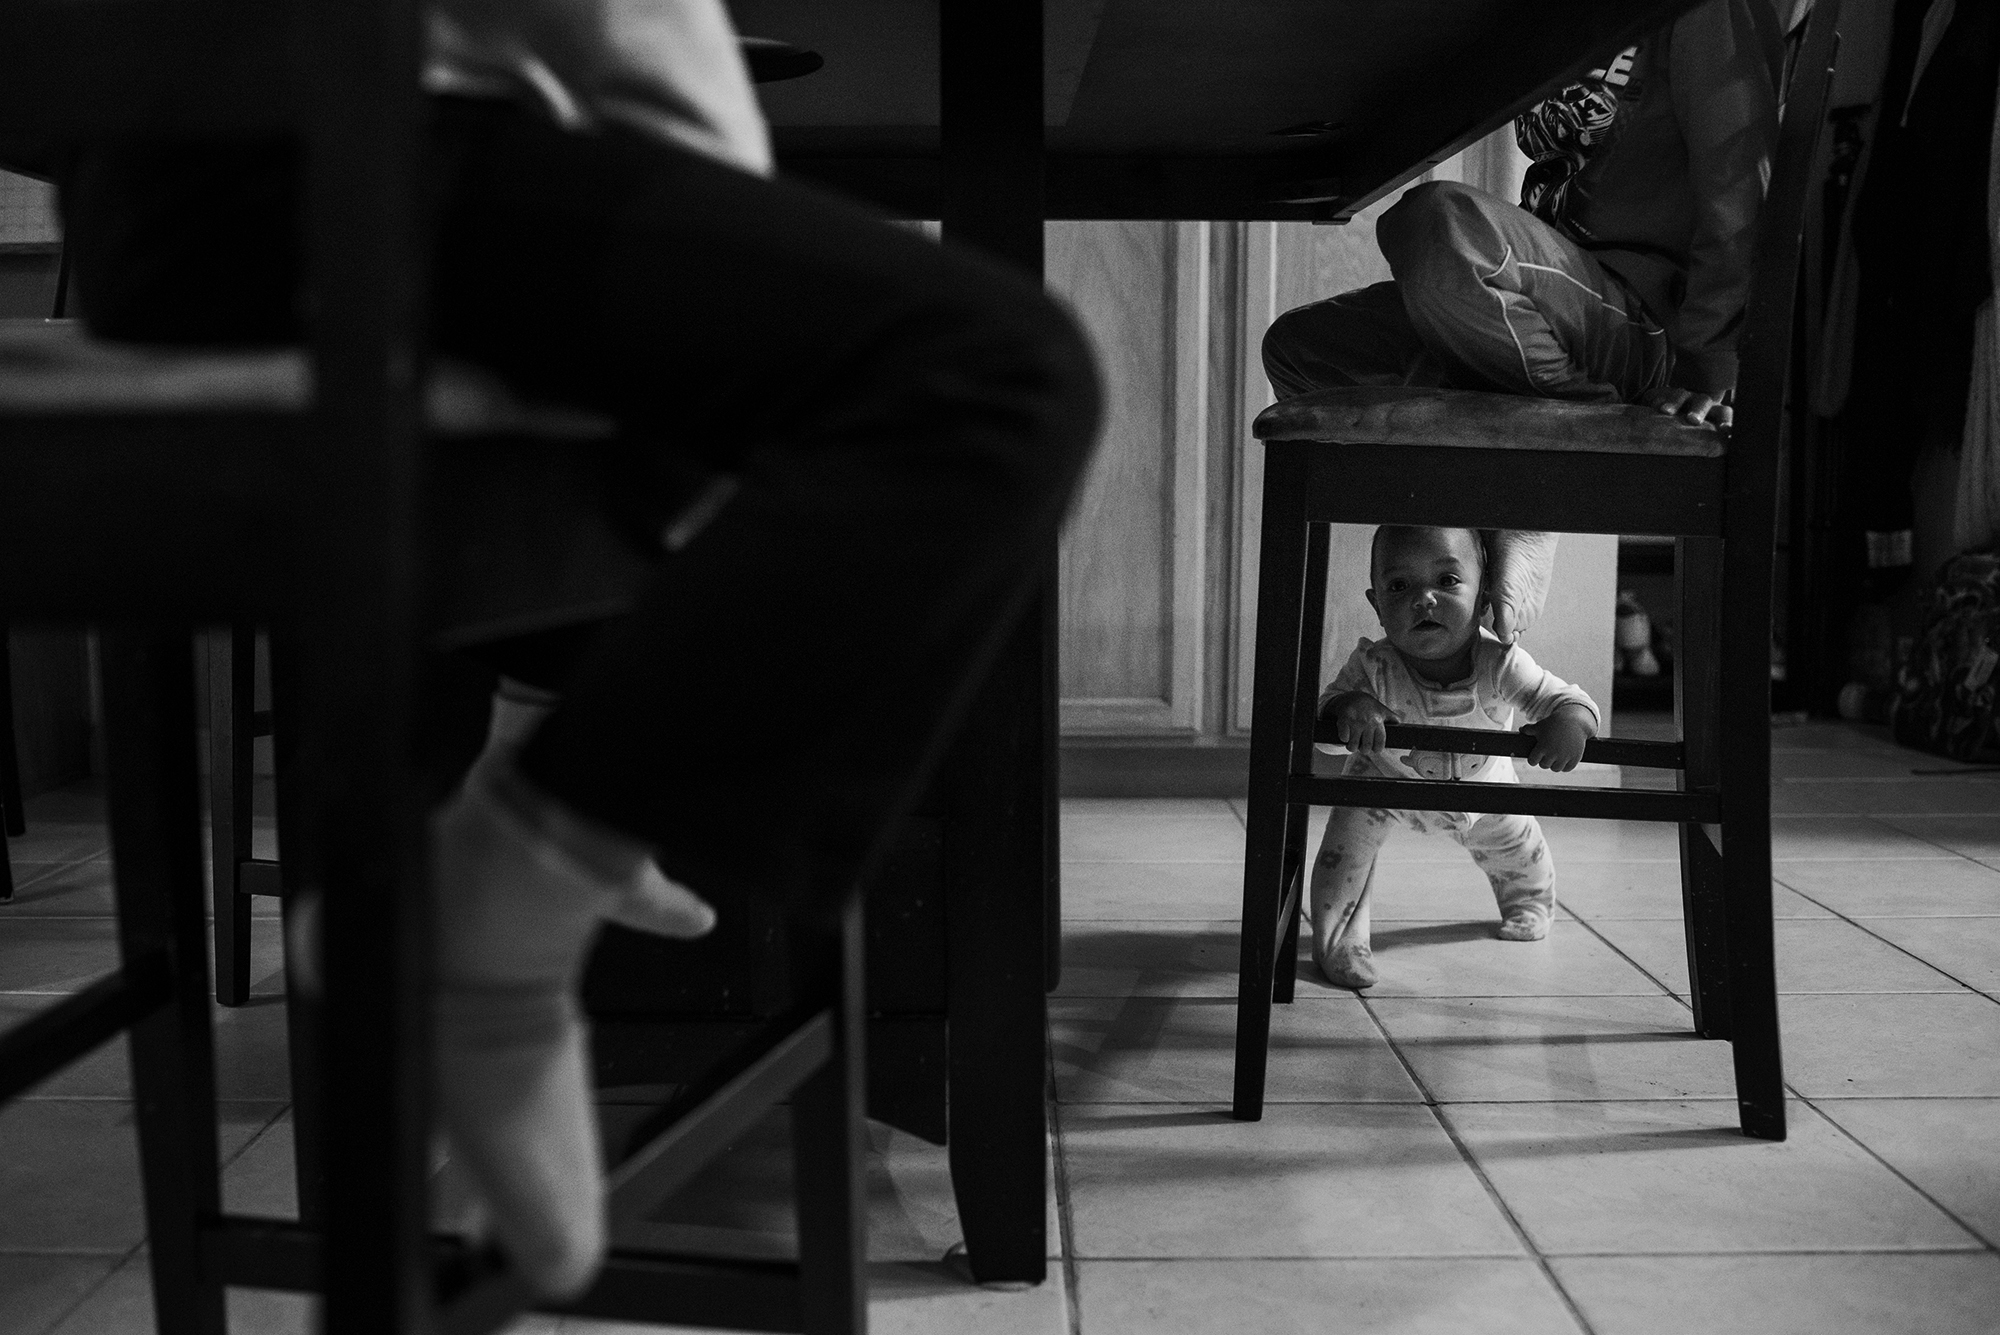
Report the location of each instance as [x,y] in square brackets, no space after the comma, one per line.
[1000,840]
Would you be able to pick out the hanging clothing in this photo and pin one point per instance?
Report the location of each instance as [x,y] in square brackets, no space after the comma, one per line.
[1922,245]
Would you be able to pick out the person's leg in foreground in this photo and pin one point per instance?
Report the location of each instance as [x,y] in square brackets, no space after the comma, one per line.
[903,426]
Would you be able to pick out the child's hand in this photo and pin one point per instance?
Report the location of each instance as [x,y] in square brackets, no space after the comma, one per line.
[1559,738]
[1361,719]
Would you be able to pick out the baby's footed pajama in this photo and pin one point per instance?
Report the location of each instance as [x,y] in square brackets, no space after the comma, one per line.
[1509,849]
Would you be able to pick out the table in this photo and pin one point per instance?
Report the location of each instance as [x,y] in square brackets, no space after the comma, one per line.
[994,118]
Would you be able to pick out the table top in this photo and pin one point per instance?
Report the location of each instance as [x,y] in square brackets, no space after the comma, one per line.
[1194,108]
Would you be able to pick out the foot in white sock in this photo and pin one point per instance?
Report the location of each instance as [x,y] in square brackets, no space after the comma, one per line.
[652,903]
[1349,965]
[1517,582]
[1524,924]
[515,915]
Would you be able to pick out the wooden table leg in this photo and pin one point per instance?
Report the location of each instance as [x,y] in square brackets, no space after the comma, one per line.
[995,895]
[1000,838]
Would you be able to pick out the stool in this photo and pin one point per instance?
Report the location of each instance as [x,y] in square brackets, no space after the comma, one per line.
[1499,461]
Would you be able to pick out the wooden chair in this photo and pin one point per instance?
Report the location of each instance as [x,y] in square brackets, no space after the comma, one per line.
[379,513]
[1498,461]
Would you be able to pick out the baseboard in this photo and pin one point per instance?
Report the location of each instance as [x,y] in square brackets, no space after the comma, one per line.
[1139,769]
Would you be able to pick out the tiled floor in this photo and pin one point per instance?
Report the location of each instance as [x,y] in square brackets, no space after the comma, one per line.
[1498,1138]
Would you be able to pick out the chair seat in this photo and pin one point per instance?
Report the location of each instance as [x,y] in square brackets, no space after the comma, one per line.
[1467,419]
[53,367]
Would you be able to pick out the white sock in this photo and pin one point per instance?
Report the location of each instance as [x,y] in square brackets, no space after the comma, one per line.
[1517,580]
[515,918]
[653,903]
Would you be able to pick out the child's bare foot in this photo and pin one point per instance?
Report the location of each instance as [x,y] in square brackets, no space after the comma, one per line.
[1524,924]
[1349,966]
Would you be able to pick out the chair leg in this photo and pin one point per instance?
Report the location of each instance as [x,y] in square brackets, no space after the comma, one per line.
[1698,711]
[303,1014]
[1305,705]
[156,847]
[231,680]
[829,1145]
[13,820]
[1281,570]
[1745,755]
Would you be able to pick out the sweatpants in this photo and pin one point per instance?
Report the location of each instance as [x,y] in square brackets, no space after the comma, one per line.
[904,421]
[1509,849]
[1484,296]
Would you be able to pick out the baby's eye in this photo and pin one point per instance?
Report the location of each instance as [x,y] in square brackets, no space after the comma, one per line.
[1450,581]
[1398,585]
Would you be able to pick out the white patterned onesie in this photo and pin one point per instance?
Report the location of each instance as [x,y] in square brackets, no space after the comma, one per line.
[1509,849]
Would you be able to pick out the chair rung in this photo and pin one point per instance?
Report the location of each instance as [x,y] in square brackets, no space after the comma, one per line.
[261,876]
[476,1293]
[38,1047]
[699,1124]
[257,1253]
[1512,798]
[699,1291]
[1479,742]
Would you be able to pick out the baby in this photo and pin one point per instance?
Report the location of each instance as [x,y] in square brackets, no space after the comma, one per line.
[1437,666]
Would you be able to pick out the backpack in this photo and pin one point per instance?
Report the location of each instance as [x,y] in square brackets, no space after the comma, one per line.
[1947,685]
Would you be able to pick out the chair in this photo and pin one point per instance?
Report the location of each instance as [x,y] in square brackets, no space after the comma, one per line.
[1347,455]
[153,492]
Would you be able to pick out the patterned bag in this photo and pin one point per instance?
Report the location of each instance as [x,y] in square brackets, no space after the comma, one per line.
[1946,688]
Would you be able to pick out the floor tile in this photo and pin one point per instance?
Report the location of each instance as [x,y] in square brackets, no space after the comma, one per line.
[1406,1297]
[263,1178]
[1785,1295]
[1120,836]
[124,1306]
[1602,1178]
[1545,1048]
[1914,1046]
[1150,959]
[38,1291]
[69,1172]
[1968,949]
[55,954]
[1161,1182]
[1594,890]
[1949,1147]
[1162,1050]
[1574,839]
[1860,763]
[1636,889]
[1971,796]
[1466,959]
[60,890]
[1939,885]
[1812,955]
[1186,890]
[58,841]
[1452,890]
[743,1202]
[1843,839]
[251,1060]
[1975,837]
[904,1298]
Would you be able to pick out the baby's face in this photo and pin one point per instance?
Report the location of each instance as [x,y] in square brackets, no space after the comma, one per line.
[1427,591]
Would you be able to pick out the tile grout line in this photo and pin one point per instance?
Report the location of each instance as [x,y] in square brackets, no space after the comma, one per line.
[1065,1224]
[1939,969]
[1472,1165]
[94,1289]
[1990,1245]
